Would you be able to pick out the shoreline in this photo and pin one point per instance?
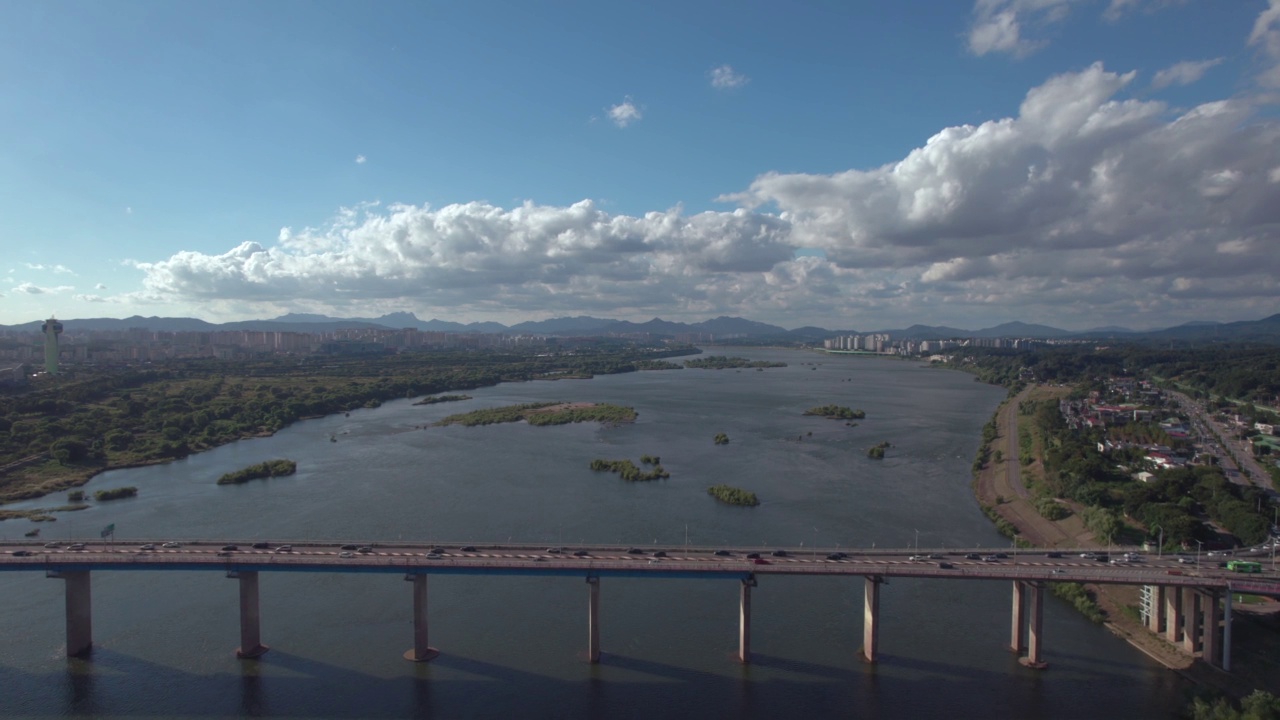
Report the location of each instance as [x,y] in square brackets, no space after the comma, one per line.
[993,489]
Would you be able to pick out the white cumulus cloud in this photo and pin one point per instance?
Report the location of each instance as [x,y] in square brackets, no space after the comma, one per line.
[998,25]
[1085,204]
[1183,73]
[360,159]
[1266,37]
[724,77]
[624,113]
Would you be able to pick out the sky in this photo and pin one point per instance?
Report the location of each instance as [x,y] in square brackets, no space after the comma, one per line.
[840,163]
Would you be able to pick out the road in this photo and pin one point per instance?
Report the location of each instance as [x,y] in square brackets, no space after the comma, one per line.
[1250,472]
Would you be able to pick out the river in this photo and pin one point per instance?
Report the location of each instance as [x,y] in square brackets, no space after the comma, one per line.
[516,647]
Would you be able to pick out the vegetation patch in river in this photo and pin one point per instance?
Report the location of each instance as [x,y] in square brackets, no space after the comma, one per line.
[40,514]
[836,412]
[546,413]
[270,468]
[442,399]
[721,362]
[733,496]
[721,439]
[115,494]
[877,451]
[629,471]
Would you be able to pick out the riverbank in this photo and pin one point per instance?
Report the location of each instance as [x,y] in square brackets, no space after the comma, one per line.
[999,486]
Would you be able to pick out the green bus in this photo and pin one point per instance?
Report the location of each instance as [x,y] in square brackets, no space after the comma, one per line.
[1244,566]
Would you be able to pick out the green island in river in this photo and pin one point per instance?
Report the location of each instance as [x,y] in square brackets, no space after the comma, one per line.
[733,495]
[433,399]
[629,471]
[270,468]
[546,413]
[721,362]
[836,412]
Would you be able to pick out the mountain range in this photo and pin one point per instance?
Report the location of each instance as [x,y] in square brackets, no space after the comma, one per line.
[1266,330]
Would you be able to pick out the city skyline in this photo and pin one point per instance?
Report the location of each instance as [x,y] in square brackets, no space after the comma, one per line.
[1068,163]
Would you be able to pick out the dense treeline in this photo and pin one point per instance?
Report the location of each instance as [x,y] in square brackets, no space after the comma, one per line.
[1244,373]
[99,420]
[268,469]
[836,412]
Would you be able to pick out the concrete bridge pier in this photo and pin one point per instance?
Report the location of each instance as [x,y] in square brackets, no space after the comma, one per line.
[1173,615]
[871,617]
[1212,621]
[79,610]
[1190,620]
[1018,627]
[1226,631]
[1156,608]
[593,619]
[744,619]
[250,619]
[1027,623]
[1036,627]
[422,650]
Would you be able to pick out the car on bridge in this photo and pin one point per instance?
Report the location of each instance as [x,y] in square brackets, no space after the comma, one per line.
[260,546]
[723,553]
[171,545]
[22,553]
[229,548]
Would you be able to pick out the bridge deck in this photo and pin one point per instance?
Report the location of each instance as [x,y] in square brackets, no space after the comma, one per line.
[616,561]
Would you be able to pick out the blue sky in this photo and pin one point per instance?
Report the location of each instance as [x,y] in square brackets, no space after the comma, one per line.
[845,164]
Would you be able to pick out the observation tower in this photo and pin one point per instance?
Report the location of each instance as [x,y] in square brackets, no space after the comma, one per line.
[51,329]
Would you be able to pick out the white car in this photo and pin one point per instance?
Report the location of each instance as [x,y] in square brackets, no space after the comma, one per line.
[171,545]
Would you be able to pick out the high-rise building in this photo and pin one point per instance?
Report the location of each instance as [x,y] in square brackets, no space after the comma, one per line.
[51,329]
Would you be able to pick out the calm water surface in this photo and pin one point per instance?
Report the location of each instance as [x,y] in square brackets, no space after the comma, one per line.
[516,647]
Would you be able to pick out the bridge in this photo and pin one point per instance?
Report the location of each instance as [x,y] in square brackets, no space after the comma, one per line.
[1185,599]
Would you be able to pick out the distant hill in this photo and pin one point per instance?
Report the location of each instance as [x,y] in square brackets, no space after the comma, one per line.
[1108,330]
[1266,330]
[1021,330]
[579,325]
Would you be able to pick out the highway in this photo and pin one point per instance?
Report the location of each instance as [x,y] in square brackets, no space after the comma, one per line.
[660,561]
